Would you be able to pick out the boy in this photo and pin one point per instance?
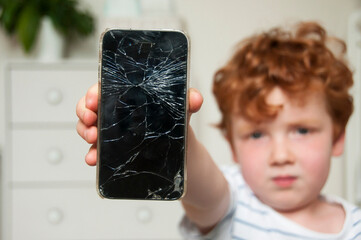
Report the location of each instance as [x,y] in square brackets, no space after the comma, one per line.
[285,105]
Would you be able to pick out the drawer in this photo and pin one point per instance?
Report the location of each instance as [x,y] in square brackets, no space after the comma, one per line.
[81,214]
[49,155]
[44,96]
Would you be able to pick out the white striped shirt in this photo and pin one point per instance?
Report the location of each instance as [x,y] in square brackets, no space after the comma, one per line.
[249,218]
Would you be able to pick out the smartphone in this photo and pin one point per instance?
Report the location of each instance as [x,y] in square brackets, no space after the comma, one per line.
[142,115]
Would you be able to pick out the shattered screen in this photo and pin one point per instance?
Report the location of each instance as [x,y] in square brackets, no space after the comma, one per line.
[142,123]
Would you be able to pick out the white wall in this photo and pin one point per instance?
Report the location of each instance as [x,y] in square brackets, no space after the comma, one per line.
[214,27]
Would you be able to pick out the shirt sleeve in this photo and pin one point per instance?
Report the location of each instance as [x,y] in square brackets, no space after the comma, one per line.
[222,231]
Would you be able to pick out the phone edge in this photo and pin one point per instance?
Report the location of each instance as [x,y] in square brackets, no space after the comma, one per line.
[186,109]
[99,108]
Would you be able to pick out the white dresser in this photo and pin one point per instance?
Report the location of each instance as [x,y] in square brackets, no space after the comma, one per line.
[48,192]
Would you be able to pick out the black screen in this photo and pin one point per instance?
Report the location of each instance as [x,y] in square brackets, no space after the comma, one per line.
[142,114]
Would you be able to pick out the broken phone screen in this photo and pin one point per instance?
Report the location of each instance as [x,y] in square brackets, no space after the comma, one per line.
[142,114]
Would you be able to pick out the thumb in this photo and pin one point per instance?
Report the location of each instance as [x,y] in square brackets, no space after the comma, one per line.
[195,101]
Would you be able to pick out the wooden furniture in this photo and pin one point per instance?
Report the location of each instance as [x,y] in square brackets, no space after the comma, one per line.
[48,191]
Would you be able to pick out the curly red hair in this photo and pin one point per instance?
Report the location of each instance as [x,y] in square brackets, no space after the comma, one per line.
[298,62]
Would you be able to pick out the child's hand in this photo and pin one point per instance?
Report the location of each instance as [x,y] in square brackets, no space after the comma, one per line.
[195,101]
[87,109]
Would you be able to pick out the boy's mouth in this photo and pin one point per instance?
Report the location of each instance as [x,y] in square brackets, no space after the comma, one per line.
[284,181]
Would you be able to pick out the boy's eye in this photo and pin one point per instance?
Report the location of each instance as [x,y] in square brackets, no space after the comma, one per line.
[302,131]
[256,135]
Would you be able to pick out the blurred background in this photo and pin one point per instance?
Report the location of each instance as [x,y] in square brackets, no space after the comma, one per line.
[47,190]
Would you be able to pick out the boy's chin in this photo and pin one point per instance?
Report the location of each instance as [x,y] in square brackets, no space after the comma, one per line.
[286,205]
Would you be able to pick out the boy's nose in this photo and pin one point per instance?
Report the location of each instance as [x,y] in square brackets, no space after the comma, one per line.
[281,153]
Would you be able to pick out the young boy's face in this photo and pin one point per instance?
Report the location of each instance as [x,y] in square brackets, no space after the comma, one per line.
[286,160]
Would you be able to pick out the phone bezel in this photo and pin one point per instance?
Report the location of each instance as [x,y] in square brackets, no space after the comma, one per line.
[186,107]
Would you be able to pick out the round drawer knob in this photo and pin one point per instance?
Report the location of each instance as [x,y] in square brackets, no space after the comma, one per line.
[144,215]
[54,156]
[55,216]
[54,97]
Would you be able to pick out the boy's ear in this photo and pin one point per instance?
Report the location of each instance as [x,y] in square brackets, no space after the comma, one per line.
[339,145]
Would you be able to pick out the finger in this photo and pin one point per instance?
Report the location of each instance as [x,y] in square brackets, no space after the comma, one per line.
[91,98]
[91,157]
[90,118]
[89,134]
[81,128]
[80,108]
[85,115]
[195,100]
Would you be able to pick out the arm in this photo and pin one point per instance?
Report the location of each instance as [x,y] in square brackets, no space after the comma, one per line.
[207,197]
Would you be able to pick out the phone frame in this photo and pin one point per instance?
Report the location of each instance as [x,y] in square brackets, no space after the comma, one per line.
[186,123]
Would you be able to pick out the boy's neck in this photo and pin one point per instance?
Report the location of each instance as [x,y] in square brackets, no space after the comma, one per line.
[319,216]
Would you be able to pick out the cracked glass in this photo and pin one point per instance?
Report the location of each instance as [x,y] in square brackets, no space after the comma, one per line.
[142,115]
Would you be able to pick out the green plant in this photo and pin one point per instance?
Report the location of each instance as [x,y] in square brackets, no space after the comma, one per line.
[23,18]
